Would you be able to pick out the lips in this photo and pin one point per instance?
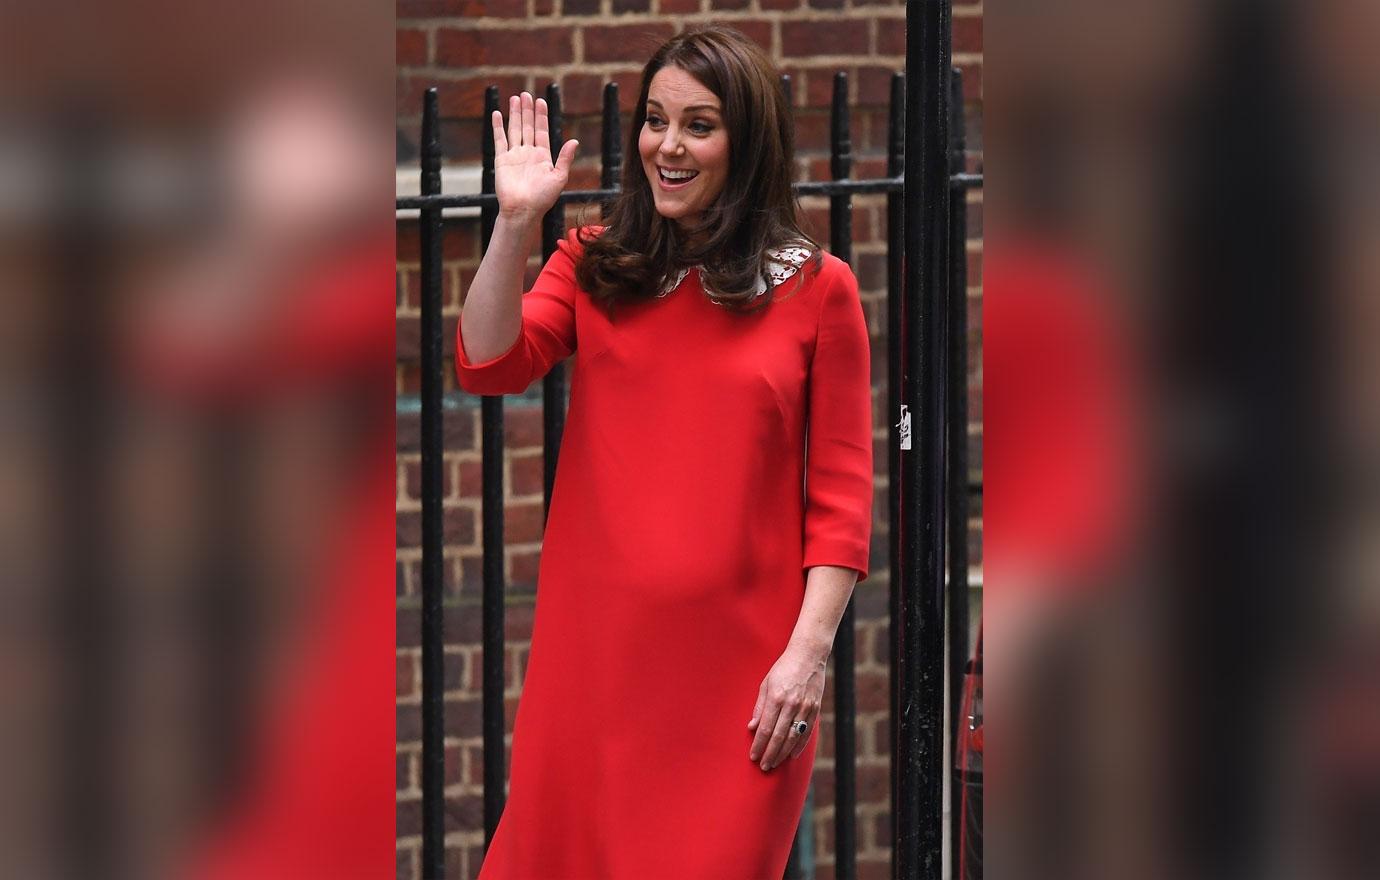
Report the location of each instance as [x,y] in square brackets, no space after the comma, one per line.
[672,183]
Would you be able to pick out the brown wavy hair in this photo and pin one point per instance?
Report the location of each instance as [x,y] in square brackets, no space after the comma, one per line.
[639,250]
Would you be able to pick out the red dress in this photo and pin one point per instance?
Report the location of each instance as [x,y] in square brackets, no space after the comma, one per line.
[687,505]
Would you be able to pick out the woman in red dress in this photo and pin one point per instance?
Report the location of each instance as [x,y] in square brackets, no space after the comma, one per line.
[713,499]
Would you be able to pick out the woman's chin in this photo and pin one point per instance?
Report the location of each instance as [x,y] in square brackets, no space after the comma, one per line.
[678,215]
[684,219]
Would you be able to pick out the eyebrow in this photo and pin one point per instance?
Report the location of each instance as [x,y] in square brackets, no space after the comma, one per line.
[691,107]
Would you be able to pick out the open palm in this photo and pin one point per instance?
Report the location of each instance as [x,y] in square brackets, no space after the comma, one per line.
[526,181]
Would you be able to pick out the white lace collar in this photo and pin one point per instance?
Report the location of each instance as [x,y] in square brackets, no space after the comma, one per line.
[782,263]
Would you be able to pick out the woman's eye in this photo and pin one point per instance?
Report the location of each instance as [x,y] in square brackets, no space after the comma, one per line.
[654,121]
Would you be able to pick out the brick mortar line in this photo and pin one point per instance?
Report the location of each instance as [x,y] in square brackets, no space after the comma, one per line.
[463,837]
[960,10]
[650,18]
[612,67]
[806,63]
[489,22]
[456,502]
[455,742]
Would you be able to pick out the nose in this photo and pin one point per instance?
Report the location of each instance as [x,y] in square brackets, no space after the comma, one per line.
[670,142]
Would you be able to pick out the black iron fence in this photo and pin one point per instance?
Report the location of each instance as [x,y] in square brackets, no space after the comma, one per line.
[927,460]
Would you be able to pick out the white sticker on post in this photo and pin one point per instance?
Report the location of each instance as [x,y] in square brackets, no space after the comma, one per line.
[904,425]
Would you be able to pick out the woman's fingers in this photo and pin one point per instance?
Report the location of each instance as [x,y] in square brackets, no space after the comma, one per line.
[776,748]
[757,715]
[514,122]
[766,723]
[529,120]
[543,130]
[567,156]
[803,739]
[774,740]
[500,139]
[529,126]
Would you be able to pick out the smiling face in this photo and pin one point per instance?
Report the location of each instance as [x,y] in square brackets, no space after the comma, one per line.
[684,136]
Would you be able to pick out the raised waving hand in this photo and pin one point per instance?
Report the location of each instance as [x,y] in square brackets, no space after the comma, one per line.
[526,181]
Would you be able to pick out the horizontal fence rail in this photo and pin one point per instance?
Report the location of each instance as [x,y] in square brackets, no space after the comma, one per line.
[433,405]
[578,196]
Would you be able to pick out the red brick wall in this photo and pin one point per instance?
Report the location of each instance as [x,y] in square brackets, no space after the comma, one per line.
[462,46]
[453,44]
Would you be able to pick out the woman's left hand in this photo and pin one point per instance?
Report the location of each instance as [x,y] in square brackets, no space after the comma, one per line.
[792,691]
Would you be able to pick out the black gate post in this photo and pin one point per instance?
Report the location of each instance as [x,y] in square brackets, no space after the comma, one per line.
[918,722]
[433,620]
[958,456]
[845,692]
[553,384]
[493,719]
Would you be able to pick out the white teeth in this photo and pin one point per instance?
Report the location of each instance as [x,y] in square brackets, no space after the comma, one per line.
[677,175]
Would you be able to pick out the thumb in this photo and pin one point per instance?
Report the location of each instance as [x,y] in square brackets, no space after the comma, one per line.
[566,156]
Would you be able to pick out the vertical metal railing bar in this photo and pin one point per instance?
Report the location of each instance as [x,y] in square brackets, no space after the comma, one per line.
[800,862]
[845,699]
[432,437]
[840,168]
[919,819]
[895,267]
[493,721]
[957,454]
[611,150]
[553,384]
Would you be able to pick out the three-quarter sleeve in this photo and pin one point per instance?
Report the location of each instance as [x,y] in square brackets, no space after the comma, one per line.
[547,335]
[838,457]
